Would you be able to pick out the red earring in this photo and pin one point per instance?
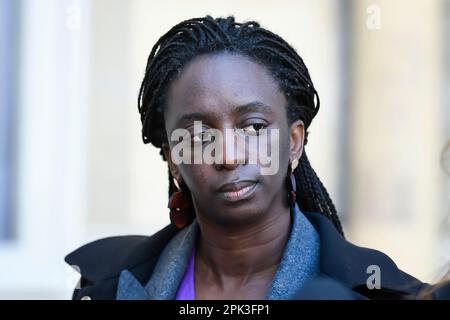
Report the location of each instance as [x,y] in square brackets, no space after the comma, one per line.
[291,183]
[181,213]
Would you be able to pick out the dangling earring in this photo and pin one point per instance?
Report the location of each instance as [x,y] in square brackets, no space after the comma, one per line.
[181,213]
[291,183]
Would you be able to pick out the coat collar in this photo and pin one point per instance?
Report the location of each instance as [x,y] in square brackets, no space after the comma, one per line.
[351,265]
[299,263]
[106,258]
[102,261]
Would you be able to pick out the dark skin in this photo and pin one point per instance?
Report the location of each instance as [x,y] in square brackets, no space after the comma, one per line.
[241,241]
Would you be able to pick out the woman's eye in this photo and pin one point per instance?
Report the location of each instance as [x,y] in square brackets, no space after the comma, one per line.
[202,137]
[253,129]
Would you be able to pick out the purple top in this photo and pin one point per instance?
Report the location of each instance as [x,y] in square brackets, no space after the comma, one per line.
[186,290]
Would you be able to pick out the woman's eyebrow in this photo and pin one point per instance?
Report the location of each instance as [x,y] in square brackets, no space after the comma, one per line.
[254,106]
[191,117]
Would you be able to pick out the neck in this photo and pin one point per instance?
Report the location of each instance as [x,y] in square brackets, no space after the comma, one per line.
[237,255]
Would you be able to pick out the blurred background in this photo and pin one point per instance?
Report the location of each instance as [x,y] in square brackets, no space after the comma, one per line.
[73,168]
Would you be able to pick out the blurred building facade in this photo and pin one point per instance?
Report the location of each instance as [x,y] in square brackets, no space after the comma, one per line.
[74,168]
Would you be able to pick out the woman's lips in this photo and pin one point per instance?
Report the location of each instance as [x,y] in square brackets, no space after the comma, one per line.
[238,192]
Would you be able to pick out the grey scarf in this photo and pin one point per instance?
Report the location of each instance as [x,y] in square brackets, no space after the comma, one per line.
[300,263]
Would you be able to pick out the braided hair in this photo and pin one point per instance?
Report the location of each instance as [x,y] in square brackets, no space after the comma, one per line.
[197,36]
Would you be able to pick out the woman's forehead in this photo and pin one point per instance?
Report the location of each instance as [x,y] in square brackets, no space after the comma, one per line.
[220,80]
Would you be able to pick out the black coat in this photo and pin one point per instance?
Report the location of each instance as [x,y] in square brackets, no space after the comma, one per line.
[101,262]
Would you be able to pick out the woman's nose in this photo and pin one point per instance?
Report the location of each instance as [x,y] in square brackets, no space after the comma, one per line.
[233,152]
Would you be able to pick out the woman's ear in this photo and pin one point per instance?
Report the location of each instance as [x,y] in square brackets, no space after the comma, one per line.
[172,166]
[297,136]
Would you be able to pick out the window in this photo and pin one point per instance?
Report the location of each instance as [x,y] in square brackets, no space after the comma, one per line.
[8,44]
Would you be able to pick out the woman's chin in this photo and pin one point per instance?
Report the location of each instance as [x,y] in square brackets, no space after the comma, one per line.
[238,215]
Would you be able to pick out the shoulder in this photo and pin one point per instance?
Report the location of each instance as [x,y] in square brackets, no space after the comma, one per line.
[103,260]
[355,266]
[441,291]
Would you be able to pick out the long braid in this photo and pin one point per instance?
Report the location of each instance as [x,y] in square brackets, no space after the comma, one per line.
[193,37]
[320,201]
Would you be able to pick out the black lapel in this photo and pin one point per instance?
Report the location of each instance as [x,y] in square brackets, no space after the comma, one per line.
[348,263]
[101,262]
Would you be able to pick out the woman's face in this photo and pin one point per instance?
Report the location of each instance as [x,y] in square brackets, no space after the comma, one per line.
[226,91]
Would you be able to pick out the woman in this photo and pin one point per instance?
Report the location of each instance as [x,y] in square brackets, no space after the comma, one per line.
[237,231]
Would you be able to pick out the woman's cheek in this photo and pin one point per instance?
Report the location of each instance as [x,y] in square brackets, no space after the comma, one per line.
[197,177]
